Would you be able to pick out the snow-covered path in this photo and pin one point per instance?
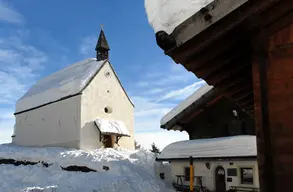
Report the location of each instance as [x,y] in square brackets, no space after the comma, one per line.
[130,171]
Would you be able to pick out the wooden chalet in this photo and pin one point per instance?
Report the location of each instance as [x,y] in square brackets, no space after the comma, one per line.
[219,164]
[208,114]
[244,48]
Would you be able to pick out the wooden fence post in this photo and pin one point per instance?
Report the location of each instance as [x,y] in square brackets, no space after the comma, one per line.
[191,180]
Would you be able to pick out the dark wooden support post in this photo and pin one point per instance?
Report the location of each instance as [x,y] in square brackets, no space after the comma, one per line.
[117,140]
[265,159]
[273,98]
[280,94]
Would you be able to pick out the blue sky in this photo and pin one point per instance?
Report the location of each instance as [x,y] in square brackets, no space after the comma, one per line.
[38,38]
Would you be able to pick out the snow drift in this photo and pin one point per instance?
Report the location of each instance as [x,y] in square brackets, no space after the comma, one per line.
[129,171]
[166,15]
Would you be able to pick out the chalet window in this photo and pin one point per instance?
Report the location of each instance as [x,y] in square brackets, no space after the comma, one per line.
[232,172]
[187,173]
[246,176]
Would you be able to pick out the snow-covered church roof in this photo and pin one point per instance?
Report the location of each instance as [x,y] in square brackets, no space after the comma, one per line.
[224,147]
[67,82]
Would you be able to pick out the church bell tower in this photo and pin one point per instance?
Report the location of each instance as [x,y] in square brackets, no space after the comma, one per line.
[102,47]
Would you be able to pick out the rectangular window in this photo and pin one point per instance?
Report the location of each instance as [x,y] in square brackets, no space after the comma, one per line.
[246,176]
[187,173]
[232,172]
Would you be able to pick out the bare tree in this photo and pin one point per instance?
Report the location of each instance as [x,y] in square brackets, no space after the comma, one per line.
[137,145]
[155,149]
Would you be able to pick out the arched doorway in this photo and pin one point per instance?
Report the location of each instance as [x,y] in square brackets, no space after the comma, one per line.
[220,179]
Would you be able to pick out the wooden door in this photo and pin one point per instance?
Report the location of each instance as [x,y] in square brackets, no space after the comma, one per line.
[108,141]
[220,179]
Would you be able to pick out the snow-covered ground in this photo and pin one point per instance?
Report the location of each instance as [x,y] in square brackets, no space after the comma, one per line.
[166,15]
[130,171]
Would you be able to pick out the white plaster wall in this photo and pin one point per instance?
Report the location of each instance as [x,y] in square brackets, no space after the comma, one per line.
[56,124]
[177,168]
[100,93]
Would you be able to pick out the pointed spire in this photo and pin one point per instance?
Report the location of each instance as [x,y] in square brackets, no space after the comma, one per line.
[102,42]
[102,47]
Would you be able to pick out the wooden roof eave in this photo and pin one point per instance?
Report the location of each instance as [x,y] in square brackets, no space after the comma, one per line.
[197,23]
[194,106]
[236,158]
[199,47]
[197,31]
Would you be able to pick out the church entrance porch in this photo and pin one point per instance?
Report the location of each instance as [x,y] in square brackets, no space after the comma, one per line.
[108,141]
[111,131]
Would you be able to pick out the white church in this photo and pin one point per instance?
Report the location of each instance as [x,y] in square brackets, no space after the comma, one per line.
[83,106]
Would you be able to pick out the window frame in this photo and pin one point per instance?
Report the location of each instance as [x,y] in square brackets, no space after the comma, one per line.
[234,171]
[186,176]
[241,176]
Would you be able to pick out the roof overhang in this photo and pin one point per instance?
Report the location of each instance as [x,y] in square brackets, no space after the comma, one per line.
[219,49]
[197,106]
[238,158]
[232,147]
[111,127]
[203,106]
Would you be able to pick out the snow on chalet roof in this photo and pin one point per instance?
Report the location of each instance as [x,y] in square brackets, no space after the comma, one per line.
[236,146]
[112,127]
[186,103]
[166,15]
[66,82]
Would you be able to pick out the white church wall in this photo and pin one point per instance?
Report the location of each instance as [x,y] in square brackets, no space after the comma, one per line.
[56,124]
[105,92]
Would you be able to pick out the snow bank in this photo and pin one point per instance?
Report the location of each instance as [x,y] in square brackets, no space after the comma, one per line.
[166,15]
[236,146]
[130,171]
[186,103]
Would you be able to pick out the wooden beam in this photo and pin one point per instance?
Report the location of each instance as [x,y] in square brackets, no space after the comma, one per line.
[243,86]
[236,78]
[193,115]
[198,111]
[190,51]
[247,97]
[246,103]
[228,71]
[230,83]
[242,91]
[217,51]
[217,31]
[241,96]
[246,100]
[249,105]
[215,64]
[281,17]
